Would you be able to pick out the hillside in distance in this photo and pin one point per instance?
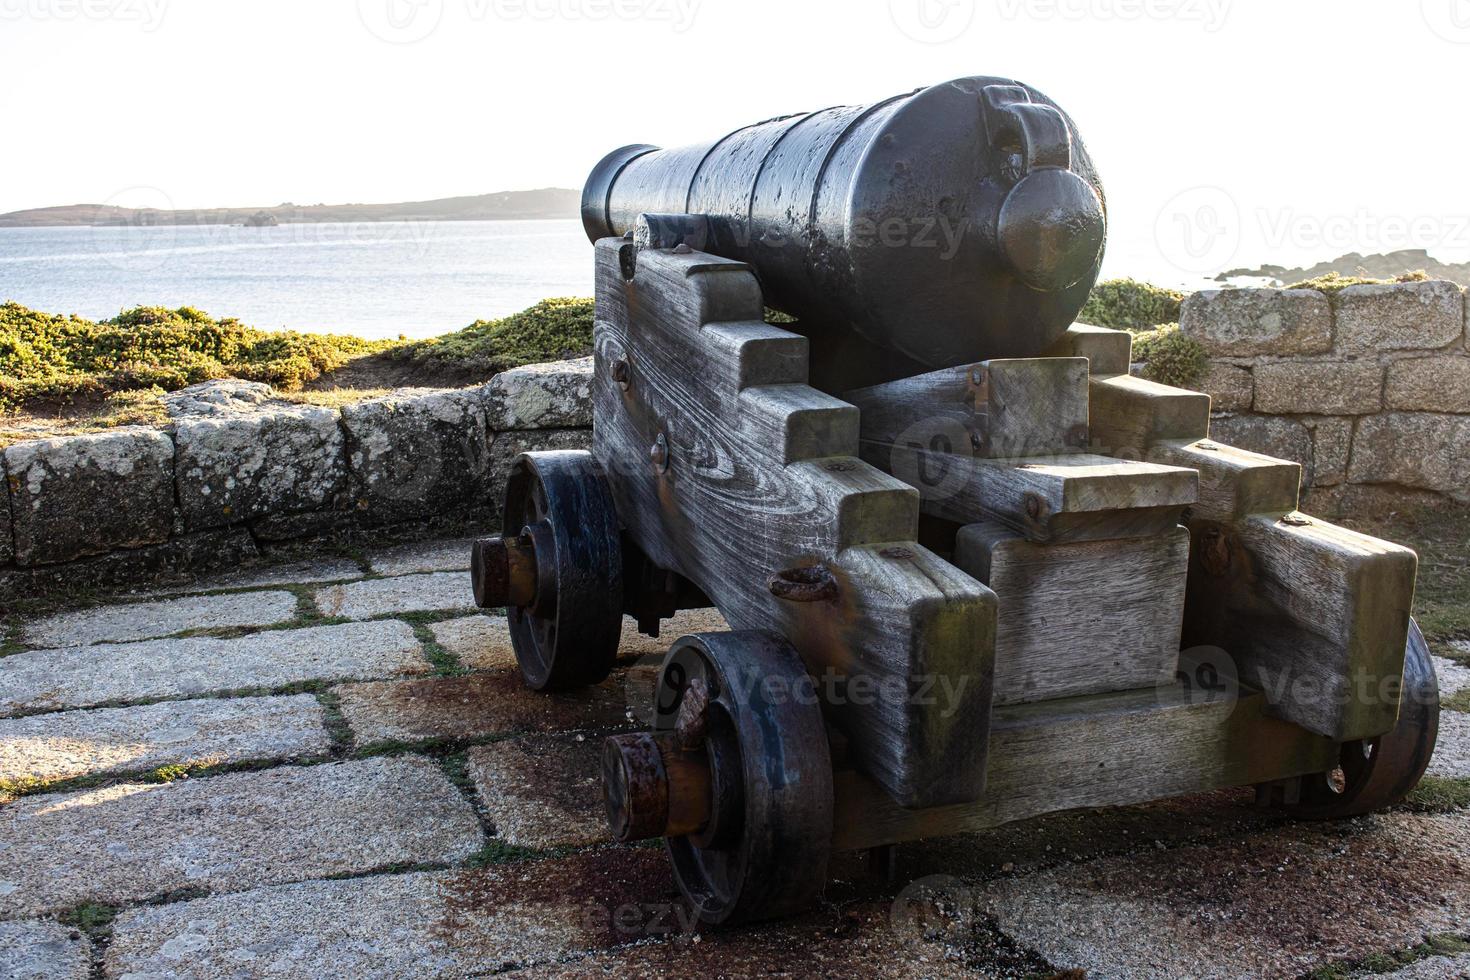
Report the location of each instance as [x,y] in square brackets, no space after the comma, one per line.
[1354,264]
[549,202]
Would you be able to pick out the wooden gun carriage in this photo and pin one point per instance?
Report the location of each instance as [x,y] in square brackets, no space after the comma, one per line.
[974,569]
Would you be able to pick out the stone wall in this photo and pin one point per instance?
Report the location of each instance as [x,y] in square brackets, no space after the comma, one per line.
[238,470]
[1367,388]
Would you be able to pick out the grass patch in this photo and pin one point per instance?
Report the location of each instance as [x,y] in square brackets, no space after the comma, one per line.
[151,349]
[501,852]
[75,374]
[551,330]
[1437,794]
[445,663]
[1169,357]
[1394,960]
[1127,304]
[1457,702]
[90,917]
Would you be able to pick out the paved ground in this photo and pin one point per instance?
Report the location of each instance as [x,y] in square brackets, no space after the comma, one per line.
[330,769]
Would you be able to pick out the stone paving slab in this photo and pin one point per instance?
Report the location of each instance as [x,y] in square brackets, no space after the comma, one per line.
[901,941]
[229,833]
[475,706]
[43,951]
[544,791]
[291,573]
[1453,677]
[433,592]
[450,555]
[188,733]
[428,924]
[1452,747]
[1279,903]
[82,677]
[482,642]
[148,620]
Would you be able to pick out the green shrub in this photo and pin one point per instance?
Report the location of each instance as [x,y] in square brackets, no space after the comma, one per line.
[1169,357]
[1127,304]
[64,357]
[1335,282]
[551,330]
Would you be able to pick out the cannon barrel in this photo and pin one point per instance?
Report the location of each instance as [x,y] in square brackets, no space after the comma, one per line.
[956,223]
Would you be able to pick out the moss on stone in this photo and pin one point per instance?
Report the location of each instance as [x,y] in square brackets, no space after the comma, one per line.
[551,330]
[1335,282]
[1127,304]
[1169,357]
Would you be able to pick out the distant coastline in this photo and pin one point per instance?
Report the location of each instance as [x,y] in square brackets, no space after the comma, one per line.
[550,202]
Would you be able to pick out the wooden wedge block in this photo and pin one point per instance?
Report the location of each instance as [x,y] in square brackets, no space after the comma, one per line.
[1108,352]
[1234,482]
[1051,498]
[1080,618]
[1129,415]
[1314,615]
[992,410]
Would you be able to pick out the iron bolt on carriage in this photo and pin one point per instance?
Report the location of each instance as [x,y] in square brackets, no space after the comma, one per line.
[961,548]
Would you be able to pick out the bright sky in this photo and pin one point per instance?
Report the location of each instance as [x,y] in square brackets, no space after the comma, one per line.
[1228,132]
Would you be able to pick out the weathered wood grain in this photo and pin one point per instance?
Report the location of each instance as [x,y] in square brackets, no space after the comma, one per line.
[760,477]
[1045,498]
[1080,618]
[1102,750]
[1129,415]
[1315,616]
[1234,482]
[1108,352]
[997,409]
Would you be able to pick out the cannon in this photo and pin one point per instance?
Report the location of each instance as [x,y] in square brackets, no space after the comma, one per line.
[974,570]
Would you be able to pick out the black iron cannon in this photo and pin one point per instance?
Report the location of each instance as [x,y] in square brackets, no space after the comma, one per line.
[956,223]
[974,570]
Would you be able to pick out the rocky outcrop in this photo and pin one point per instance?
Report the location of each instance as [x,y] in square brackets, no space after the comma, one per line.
[416,453]
[85,495]
[245,462]
[240,466]
[541,396]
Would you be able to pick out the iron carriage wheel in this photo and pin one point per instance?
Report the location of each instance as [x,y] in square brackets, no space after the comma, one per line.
[1380,772]
[736,776]
[558,568]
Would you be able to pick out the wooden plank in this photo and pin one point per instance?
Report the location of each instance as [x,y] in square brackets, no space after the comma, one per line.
[1234,482]
[1046,498]
[996,409]
[761,478]
[1102,750]
[1080,618]
[1129,415]
[1314,615]
[1108,352]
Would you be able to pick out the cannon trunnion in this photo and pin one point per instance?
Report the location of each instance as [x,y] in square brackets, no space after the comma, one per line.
[983,576]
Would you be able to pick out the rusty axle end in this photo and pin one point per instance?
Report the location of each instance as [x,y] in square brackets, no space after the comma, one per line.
[503,572]
[652,788]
